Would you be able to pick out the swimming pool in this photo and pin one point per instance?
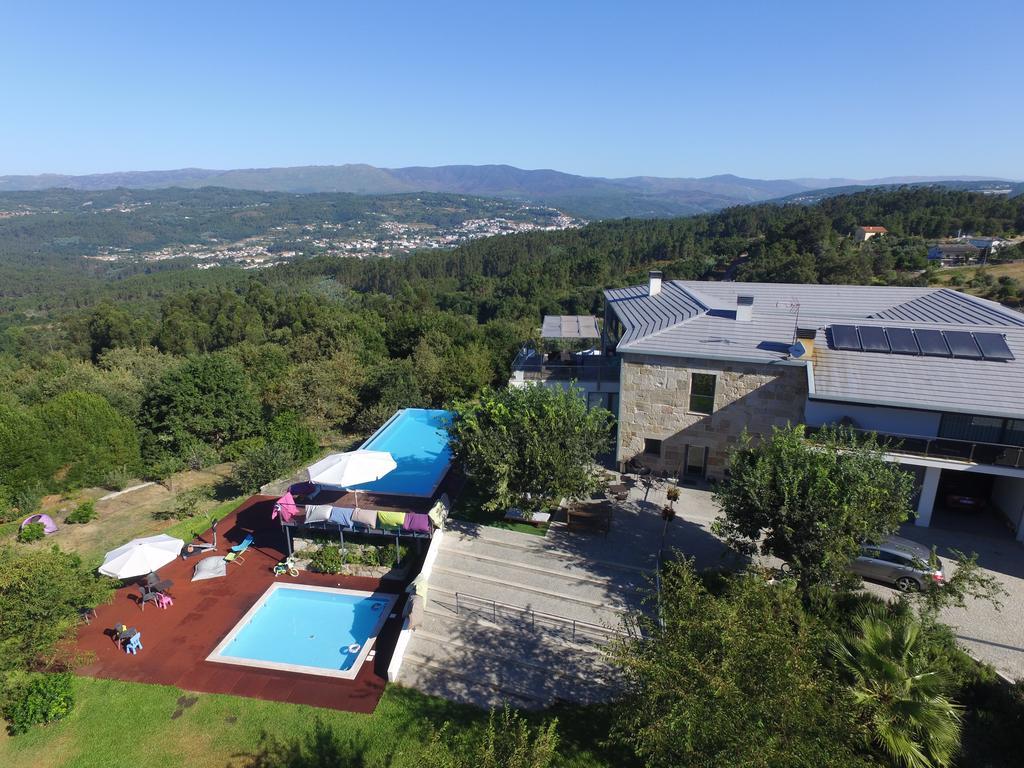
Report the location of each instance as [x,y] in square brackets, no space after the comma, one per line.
[302,628]
[418,440]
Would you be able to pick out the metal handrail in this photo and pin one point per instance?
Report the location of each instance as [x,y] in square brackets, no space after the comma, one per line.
[971,451]
[573,624]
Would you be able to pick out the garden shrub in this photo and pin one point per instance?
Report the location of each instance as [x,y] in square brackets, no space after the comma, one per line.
[83,513]
[43,699]
[118,478]
[327,559]
[31,532]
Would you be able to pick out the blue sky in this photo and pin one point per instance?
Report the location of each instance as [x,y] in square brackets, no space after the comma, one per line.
[789,88]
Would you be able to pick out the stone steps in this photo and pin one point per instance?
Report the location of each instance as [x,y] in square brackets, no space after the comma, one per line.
[545,560]
[441,620]
[583,607]
[509,666]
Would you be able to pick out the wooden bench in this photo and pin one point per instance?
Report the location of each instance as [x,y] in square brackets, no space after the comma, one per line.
[514,515]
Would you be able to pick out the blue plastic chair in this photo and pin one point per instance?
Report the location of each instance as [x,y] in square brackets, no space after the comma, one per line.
[243,545]
[134,644]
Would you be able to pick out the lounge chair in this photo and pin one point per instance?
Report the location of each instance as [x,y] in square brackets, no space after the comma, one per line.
[235,554]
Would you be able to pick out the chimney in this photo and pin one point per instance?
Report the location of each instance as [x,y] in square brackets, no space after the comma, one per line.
[804,347]
[744,309]
[654,282]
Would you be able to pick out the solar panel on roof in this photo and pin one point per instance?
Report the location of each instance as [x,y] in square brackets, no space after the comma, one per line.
[931,343]
[845,337]
[902,341]
[962,344]
[873,339]
[993,346]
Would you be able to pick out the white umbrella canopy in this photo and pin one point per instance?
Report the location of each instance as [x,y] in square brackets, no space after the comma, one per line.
[141,556]
[344,470]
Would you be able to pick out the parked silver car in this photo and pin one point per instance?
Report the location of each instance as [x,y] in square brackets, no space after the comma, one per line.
[900,562]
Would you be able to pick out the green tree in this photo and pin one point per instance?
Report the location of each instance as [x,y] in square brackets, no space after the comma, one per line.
[811,503]
[41,593]
[905,704]
[529,446]
[731,678]
[87,438]
[209,398]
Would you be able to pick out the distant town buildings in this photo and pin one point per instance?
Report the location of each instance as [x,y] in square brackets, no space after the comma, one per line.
[866,233]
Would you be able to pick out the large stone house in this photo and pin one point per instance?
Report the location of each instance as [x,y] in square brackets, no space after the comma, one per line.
[938,373]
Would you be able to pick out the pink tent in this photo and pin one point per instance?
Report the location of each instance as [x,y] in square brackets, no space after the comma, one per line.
[48,525]
[285,507]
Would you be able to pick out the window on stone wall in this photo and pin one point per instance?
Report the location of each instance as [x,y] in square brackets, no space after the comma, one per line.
[652,447]
[702,392]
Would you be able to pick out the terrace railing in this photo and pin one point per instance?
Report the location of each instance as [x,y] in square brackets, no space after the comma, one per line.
[581,632]
[947,448]
[596,368]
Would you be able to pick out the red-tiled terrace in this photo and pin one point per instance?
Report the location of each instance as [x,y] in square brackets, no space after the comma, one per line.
[177,640]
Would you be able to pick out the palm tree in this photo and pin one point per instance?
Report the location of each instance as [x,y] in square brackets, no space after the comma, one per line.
[910,718]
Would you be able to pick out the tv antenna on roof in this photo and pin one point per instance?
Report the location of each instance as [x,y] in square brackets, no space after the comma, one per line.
[793,305]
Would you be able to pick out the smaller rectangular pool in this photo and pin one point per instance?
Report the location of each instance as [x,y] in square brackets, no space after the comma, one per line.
[417,438]
[307,629]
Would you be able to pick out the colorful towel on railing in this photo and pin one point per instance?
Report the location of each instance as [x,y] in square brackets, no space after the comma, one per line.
[286,508]
[416,522]
[367,517]
[390,520]
[342,516]
[318,513]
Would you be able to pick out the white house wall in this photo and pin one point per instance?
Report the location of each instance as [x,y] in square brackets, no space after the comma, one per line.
[1008,496]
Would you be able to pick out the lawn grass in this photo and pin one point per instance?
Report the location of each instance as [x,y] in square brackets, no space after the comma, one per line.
[190,527]
[469,507]
[116,723]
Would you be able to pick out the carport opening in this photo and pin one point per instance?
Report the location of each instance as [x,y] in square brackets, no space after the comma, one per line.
[977,503]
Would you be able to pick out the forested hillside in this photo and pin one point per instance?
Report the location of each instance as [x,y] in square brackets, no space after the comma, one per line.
[152,372]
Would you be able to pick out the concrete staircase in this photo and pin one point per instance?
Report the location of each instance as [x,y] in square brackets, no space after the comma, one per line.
[510,617]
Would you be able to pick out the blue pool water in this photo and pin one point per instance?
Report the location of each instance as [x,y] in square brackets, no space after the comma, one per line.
[309,628]
[418,440]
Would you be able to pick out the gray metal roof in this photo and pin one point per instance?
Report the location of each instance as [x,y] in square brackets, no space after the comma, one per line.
[953,307]
[697,319]
[570,327]
[642,315]
[980,387]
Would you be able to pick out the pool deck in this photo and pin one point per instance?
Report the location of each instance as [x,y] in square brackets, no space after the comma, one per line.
[177,640]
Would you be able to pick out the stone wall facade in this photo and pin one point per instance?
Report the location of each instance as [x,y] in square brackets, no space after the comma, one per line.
[655,403]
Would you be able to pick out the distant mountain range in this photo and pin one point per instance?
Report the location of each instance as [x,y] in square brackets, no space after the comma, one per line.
[588,196]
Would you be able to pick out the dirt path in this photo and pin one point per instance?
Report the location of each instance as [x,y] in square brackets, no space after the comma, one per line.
[125,516]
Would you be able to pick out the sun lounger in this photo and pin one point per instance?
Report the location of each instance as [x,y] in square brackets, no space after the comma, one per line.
[243,545]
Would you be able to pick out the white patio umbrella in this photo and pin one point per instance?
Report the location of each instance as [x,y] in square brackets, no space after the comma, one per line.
[141,556]
[343,470]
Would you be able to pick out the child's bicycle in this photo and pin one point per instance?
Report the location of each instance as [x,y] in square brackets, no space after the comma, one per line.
[286,566]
